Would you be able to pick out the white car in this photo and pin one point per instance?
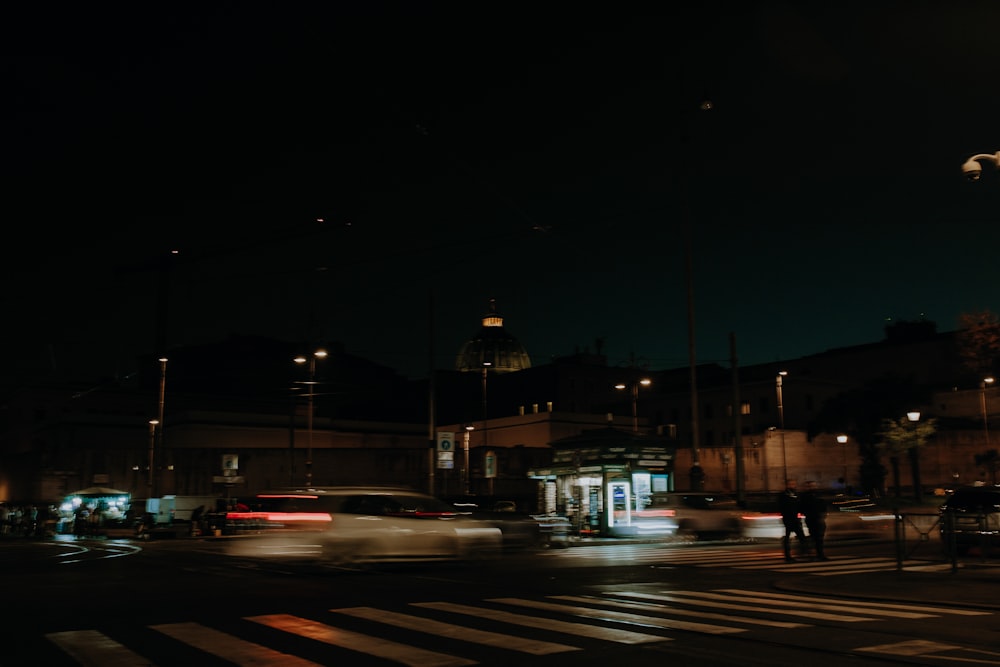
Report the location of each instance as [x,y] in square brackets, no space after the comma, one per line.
[358,525]
[693,514]
[847,518]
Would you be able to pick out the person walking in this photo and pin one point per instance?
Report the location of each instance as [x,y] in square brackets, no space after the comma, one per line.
[788,505]
[814,509]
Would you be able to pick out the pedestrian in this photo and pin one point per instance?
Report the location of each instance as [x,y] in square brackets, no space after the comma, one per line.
[196,519]
[814,509]
[788,505]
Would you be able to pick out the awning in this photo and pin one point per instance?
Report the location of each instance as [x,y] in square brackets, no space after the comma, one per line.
[98,492]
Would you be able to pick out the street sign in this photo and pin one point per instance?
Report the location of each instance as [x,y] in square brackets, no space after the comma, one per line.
[222,479]
[490,464]
[446,441]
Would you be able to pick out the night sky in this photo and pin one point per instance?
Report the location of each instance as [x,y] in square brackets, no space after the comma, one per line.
[550,160]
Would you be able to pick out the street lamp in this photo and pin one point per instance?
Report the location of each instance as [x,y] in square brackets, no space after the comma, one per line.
[318,354]
[842,439]
[465,469]
[781,421]
[486,427]
[973,170]
[157,424]
[914,416]
[645,382]
[982,403]
[152,449]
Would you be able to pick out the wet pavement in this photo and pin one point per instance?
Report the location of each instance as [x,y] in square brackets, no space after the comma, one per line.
[973,583]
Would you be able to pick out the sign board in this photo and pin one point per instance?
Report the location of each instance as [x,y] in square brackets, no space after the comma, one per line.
[221,479]
[446,441]
[490,465]
[230,461]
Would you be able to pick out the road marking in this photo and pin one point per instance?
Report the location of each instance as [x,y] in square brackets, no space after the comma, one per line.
[355,641]
[94,649]
[579,629]
[229,648]
[814,603]
[866,604]
[638,619]
[460,632]
[922,647]
[679,596]
[681,612]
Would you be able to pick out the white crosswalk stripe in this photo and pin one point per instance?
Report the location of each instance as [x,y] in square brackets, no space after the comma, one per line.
[757,559]
[651,616]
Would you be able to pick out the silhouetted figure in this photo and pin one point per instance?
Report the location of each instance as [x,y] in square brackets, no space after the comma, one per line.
[788,505]
[814,509]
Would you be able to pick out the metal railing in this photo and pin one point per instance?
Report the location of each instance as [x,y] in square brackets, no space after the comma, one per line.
[937,538]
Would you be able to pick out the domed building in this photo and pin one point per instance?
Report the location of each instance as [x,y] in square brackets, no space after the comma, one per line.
[493,348]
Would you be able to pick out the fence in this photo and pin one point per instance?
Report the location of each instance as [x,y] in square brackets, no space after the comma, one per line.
[945,538]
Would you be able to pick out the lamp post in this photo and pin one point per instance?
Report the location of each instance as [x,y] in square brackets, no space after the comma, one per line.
[311,384]
[645,382]
[158,422]
[842,439]
[486,367]
[781,421]
[982,405]
[913,417]
[150,492]
[465,468]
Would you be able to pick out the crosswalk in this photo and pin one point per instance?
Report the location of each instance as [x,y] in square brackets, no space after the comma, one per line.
[502,630]
[755,559]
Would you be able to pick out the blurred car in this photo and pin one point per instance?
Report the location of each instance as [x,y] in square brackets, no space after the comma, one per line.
[693,514]
[520,530]
[970,519]
[849,517]
[358,525]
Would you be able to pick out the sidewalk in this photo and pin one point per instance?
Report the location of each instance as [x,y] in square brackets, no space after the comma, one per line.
[974,584]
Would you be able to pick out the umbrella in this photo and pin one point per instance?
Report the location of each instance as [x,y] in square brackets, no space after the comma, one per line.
[98,492]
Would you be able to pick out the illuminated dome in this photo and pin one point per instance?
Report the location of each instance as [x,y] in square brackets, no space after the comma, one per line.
[493,348]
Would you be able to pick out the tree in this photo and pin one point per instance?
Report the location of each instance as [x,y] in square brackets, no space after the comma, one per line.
[859,413]
[978,341]
[990,460]
[904,435]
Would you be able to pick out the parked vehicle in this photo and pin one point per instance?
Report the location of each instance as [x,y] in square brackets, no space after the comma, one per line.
[970,519]
[359,525]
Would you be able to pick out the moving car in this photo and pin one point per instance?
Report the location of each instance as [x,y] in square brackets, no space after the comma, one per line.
[358,525]
[970,519]
[848,517]
[520,530]
[699,515]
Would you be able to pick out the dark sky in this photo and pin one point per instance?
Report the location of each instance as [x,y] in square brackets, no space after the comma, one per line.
[458,153]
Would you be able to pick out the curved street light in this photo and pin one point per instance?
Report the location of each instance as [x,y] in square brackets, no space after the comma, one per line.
[842,440]
[973,170]
[982,405]
[645,382]
[781,421]
[318,354]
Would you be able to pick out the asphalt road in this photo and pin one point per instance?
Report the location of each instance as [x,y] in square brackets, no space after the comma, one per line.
[184,602]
